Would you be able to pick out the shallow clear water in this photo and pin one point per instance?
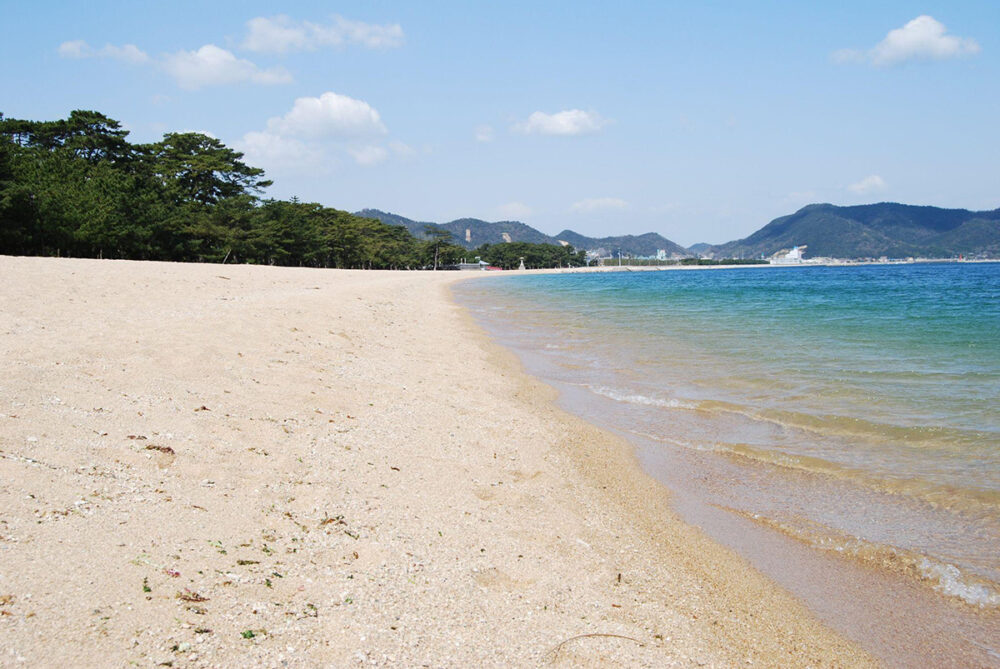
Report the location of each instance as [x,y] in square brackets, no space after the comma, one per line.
[856,409]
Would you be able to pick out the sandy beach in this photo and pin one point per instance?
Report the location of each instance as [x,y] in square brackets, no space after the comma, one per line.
[211,465]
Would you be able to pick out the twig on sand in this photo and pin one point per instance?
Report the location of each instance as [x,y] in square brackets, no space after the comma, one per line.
[556,650]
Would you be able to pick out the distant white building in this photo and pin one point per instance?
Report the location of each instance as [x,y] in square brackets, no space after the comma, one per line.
[661,254]
[793,257]
[478,265]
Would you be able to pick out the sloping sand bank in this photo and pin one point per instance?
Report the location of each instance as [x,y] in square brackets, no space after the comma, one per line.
[211,465]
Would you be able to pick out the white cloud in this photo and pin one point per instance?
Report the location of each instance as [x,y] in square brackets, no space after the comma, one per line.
[208,66]
[514,210]
[213,66]
[370,35]
[316,130]
[128,53]
[869,185]
[274,35]
[484,133]
[566,123]
[329,115]
[264,148]
[367,156]
[402,150]
[280,34]
[598,204]
[75,49]
[923,38]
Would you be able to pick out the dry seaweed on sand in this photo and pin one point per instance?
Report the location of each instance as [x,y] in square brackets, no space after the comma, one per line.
[191,596]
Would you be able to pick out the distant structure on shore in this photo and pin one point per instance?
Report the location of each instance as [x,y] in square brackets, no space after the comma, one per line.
[793,257]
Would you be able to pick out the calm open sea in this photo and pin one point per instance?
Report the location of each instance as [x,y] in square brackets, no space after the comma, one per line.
[856,409]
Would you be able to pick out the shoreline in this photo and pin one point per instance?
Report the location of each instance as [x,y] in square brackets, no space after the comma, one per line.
[323,466]
[876,600]
[671,268]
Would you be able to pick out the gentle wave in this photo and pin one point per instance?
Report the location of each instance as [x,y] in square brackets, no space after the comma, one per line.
[942,576]
[829,425]
[954,497]
[949,579]
[634,398]
[873,432]
[975,501]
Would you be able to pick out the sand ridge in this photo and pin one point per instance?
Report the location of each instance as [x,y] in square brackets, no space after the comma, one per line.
[207,465]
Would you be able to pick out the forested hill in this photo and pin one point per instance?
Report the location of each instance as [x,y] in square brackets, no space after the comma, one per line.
[640,245]
[485,232]
[479,232]
[874,230]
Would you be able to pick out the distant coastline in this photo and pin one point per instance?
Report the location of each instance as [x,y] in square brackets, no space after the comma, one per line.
[873,231]
[678,267]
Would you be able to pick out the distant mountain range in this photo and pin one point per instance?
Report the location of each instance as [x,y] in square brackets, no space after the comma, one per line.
[638,245]
[699,248]
[863,231]
[473,232]
[872,231]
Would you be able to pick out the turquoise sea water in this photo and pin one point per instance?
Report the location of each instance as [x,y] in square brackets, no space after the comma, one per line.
[856,409]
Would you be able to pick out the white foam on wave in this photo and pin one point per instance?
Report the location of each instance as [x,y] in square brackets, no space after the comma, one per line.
[633,398]
[680,443]
[948,579]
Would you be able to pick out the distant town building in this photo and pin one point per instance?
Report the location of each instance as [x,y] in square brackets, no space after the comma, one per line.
[793,257]
[470,266]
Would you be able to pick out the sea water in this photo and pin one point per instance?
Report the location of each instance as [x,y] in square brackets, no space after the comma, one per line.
[855,409]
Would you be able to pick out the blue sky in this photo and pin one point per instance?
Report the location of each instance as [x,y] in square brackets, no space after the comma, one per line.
[700,121]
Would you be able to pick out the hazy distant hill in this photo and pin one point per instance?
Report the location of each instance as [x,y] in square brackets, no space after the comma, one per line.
[480,232]
[637,245]
[416,228]
[874,230]
[699,248]
[483,232]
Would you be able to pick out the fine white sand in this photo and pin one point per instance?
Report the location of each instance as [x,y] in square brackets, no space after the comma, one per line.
[211,465]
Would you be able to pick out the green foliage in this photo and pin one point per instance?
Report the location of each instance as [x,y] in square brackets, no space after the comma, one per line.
[198,168]
[77,187]
[536,256]
[437,248]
